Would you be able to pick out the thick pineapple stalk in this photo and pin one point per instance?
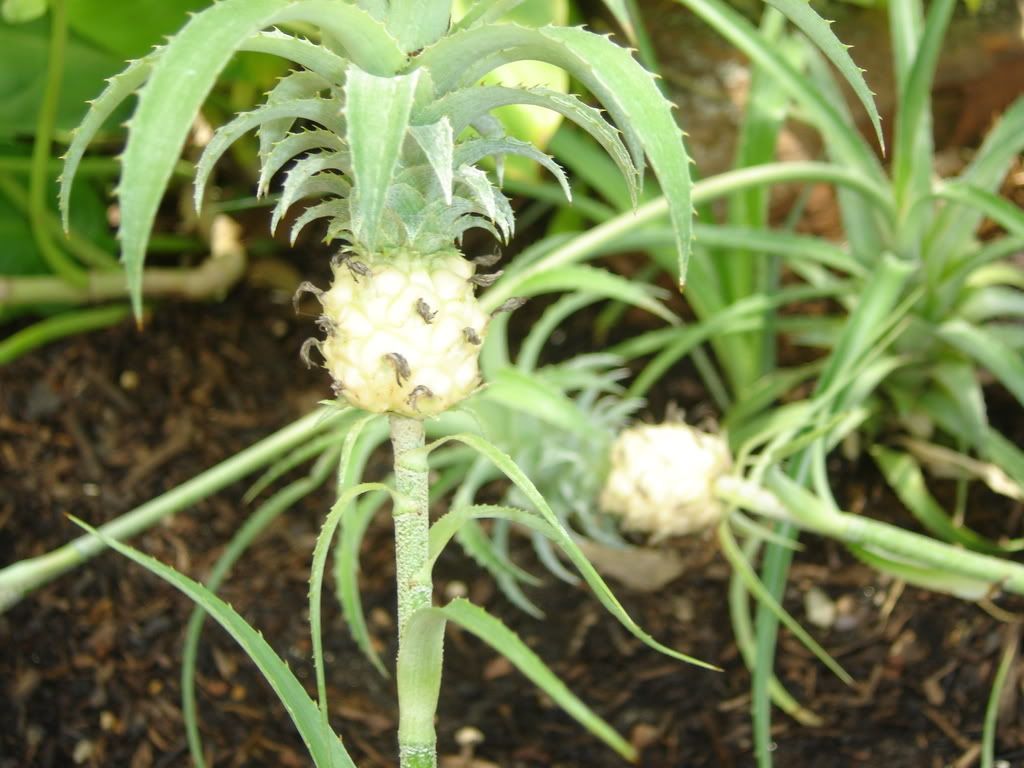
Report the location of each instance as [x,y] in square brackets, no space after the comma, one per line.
[417,739]
[403,332]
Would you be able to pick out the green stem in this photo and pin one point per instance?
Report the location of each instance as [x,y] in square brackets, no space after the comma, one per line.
[785,499]
[766,631]
[988,736]
[20,578]
[416,736]
[739,612]
[57,260]
[58,327]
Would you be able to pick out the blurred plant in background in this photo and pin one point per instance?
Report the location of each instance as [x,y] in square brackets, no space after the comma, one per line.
[920,313]
[54,57]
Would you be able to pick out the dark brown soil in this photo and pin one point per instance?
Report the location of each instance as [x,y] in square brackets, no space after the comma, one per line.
[90,664]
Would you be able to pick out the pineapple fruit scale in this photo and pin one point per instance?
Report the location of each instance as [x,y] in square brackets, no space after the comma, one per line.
[403,330]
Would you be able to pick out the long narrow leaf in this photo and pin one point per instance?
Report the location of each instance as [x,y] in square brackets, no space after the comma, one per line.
[527,394]
[346,574]
[905,477]
[1004,143]
[449,525]
[323,746]
[650,118]
[267,513]
[989,203]
[988,738]
[599,282]
[820,33]
[739,563]
[316,578]
[120,87]
[349,469]
[912,150]
[1002,361]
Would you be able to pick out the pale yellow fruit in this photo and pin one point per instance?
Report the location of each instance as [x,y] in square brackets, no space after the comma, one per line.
[404,331]
[662,479]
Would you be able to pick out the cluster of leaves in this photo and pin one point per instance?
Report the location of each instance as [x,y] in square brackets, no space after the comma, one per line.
[399,148]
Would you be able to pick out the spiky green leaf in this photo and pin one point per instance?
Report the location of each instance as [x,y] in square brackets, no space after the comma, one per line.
[290,147]
[337,210]
[307,180]
[316,58]
[473,151]
[377,110]
[183,76]
[306,169]
[293,86]
[120,87]
[322,111]
[468,106]
[609,72]
[820,33]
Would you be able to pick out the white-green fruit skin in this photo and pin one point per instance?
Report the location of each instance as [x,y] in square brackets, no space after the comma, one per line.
[404,331]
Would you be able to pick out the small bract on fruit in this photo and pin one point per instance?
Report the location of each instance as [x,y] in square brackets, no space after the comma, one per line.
[662,479]
[403,330]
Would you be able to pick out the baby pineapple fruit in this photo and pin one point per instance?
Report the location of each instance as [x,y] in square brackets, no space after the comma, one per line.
[403,330]
[662,479]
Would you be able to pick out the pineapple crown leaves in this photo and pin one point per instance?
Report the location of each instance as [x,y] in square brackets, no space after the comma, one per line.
[392,92]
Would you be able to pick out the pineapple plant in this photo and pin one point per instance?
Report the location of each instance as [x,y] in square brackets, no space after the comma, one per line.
[385,124]
[385,132]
